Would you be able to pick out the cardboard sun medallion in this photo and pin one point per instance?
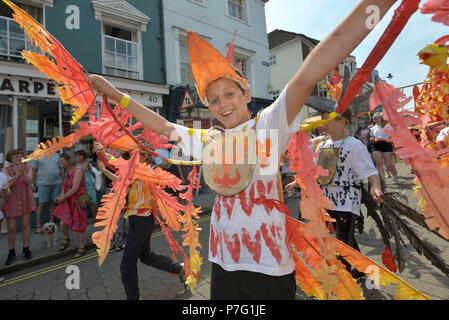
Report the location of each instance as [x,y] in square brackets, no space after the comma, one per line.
[229,158]
[328,160]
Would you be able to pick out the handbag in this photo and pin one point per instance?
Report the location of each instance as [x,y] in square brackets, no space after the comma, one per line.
[84,200]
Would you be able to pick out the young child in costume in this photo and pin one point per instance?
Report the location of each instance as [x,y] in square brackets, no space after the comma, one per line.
[352,167]
[138,242]
[249,249]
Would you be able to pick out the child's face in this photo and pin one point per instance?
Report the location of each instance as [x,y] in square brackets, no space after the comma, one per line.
[228,102]
[334,126]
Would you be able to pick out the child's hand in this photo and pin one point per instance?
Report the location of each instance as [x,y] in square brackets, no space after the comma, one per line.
[98,83]
[377,194]
[21,170]
[291,186]
[100,165]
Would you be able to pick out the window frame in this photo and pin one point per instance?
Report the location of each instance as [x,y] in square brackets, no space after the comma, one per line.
[135,34]
[248,56]
[245,13]
[179,77]
[8,56]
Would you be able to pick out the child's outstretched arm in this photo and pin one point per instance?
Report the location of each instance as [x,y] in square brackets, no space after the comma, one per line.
[147,117]
[331,51]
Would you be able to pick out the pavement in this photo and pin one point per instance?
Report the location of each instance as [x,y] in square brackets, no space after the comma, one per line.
[43,277]
[42,254]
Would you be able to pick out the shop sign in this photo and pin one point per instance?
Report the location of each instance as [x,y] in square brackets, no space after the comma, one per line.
[148,99]
[26,87]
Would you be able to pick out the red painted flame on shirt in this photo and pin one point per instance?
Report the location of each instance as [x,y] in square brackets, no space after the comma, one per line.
[254,247]
[270,240]
[233,246]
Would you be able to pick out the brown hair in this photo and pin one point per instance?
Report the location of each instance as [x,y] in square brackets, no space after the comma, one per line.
[12,153]
[81,153]
[149,146]
[347,115]
[69,156]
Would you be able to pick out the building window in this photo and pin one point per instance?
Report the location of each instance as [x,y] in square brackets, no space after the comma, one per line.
[236,9]
[272,60]
[120,53]
[242,63]
[184,63]
[12,38]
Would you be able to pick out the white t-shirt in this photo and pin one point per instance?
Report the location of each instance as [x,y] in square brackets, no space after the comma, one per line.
[378,132]
[3,180]
[354,165]
[442,136]
[245,235]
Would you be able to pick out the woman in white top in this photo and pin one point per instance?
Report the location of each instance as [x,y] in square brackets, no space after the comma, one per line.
[383,150]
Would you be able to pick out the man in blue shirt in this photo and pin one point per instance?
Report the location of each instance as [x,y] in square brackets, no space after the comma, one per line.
[47,175]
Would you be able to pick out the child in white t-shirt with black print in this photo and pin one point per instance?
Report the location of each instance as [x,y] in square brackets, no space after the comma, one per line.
[354,165]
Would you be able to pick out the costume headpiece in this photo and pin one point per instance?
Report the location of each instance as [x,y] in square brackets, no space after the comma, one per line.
[208,65]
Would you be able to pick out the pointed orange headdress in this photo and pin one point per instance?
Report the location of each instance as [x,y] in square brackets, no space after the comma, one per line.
[208,65]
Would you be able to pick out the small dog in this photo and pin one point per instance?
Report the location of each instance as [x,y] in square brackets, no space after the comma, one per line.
[50,231]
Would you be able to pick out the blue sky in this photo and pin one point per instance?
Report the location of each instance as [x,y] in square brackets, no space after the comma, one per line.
[316,18]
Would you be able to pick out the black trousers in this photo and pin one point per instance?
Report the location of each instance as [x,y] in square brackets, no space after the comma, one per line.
[344,228]
[138,247]
[245,285]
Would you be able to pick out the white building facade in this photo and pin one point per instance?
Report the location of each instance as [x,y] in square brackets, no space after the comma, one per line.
[216,21]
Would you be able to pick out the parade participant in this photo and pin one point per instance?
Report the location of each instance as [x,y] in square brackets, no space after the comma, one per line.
[249,250]
[349,164]
[383,150]
[19,203]
[69,210]
[141,226]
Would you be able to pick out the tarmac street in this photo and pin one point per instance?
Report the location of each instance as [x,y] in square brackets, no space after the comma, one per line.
[57,276]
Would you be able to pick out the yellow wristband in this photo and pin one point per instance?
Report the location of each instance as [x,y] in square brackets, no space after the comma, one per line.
[125,101]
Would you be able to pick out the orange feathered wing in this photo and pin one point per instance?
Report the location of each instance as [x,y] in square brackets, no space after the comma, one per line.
[66,71]
[432,179]
[319,273]
[55,144]
[191,235]
[112,204]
